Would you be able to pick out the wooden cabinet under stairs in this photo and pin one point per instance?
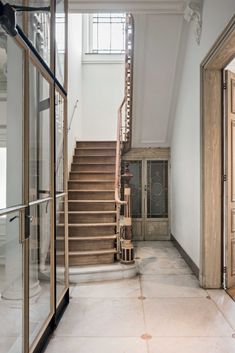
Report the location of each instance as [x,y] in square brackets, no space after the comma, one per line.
[91,204]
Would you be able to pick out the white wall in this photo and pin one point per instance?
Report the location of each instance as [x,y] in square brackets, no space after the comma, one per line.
[185,145]
[74,81]
[157,39]
[103,92]
[99,87]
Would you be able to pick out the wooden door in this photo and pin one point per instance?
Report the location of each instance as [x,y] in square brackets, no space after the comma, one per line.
[230,189]
[149,199]
[156,200]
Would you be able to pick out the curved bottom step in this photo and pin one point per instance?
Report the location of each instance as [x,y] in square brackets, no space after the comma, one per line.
[115,271]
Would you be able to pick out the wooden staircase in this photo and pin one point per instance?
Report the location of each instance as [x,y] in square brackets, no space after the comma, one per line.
[91,204]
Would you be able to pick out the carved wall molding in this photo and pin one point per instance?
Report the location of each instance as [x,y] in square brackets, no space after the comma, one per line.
[193,13]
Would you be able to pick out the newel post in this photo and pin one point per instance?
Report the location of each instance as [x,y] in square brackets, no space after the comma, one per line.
[127,248]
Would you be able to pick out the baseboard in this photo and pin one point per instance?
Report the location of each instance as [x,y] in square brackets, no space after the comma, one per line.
[186,257]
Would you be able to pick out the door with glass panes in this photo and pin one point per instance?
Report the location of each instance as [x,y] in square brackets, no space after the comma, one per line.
[33,185]
[149,199]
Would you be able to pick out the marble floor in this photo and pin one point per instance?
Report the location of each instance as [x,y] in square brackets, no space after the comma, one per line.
[163,309]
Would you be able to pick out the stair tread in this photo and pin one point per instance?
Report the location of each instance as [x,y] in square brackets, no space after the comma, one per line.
[113,224]
[90,212]
[92,181]
[94,155]
[90,172]
[93,201]
[92,163]
[93,252]
[95,148]
[92,190]
[98,237]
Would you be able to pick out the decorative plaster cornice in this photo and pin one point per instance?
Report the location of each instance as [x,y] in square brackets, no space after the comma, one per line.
[193,13]
[134,6]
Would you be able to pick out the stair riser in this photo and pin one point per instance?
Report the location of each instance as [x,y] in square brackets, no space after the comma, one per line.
[74,185]
[95,152]
[96,144]
[97,159]
[60,245]
[91,218]
[91,206]
[105,195]
[91,245]
[91,260]
[92,176]
[93,168]
[60,218]
[91,231]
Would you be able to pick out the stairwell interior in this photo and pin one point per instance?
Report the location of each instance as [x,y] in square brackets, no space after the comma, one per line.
[92,215]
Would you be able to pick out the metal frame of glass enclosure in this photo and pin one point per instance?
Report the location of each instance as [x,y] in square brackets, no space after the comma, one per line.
[45,212]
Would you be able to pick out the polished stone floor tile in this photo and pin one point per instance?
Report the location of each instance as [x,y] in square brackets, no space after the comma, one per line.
[164,286]
[192,345]
[225,304]
[179,317]
[163,266]
[146,252]
[8,343]
[103,317]
[154,244]
[97,345]
[116,289]
[164,304]
[10,319]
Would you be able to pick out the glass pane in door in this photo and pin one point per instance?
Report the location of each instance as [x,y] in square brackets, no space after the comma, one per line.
[157,189]
[60,40]
[40,29]
[135,168]
[60,248]
[11,284]
[39,267]
[39,136]
[59,136]
[11,123]
[60,200]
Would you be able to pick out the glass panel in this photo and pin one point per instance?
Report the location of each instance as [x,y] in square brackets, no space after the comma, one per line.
[11,284]
[19,15]
[11,122]
[60,40]
[39,136]
[39,267]
[39,29]
[60,248]
[135,168]
[157,189]
[59,114]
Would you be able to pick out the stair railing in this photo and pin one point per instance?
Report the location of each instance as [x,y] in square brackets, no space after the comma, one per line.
[124,126]
[119,146]
[129,62]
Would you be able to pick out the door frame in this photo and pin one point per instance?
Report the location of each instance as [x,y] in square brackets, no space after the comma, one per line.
[211,131]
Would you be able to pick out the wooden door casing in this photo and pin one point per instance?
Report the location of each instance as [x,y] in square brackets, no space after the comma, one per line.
[230,185]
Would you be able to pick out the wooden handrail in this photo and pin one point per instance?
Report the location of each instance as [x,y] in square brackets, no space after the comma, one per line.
[118,154]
